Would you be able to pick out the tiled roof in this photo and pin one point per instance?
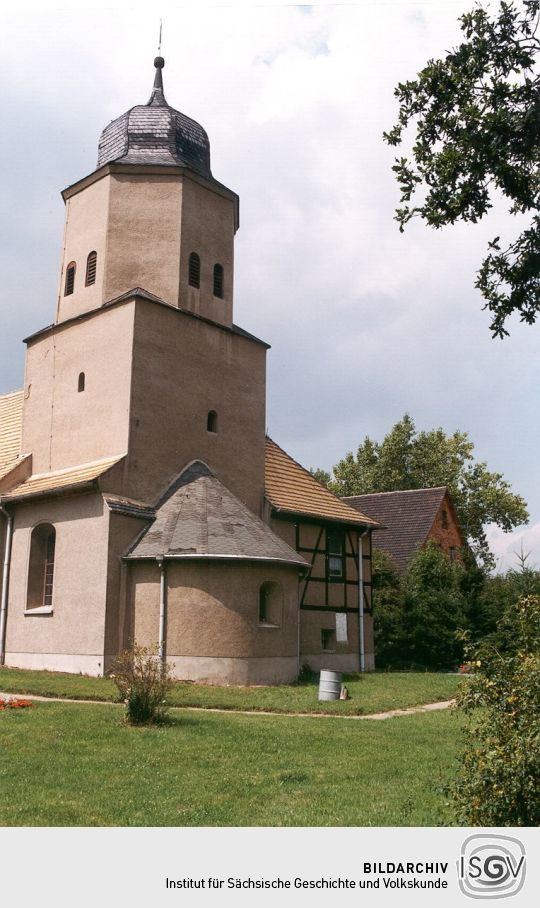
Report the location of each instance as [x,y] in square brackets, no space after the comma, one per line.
[292,489]
[407,518]
[61,480]
[11,407]
[199,518]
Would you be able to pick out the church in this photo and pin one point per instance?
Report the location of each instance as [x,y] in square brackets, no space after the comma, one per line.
[140,499]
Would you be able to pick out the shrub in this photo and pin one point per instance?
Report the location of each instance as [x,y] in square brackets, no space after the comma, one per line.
[417,617]
[498,783]
[144,682]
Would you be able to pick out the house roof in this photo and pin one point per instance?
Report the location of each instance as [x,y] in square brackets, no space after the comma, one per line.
[292,489]
[199,518]
[406,518]
[61,480]
[11,407]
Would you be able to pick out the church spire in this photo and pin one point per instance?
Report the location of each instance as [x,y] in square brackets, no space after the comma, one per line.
[157,98]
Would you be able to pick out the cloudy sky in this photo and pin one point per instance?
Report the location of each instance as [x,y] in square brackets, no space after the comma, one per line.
[365,323]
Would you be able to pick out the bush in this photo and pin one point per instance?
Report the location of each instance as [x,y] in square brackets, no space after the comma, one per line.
[417,617]
[144,682]
[498,783]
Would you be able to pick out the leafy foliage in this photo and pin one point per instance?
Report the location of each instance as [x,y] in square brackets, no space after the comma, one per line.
[143,682]
[498,783]
[476,115]
[321,476]
[407,459]
[417,618]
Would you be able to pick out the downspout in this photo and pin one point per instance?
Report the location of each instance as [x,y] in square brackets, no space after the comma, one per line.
[361,601]
[5,584]
[162,642]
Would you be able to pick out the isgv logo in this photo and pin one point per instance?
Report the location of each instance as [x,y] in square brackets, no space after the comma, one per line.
[491,866]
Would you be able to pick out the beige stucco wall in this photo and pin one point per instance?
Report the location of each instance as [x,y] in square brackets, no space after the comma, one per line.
[182,369]
[122,531]
[143,238]
[143,223]
[207,229]
[62,427]
[213,631]
[72,637]
[85,231]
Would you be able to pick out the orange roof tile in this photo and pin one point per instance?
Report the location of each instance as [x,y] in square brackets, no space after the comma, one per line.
[291,488]
[59,480]
[11,406]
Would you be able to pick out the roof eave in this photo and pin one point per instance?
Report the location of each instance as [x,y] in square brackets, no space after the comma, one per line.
[199,556]
[320,518]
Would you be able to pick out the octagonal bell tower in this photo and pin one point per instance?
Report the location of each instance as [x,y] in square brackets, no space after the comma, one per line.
[150,216]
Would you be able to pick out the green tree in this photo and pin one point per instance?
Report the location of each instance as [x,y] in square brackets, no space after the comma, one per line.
[435,610]
[320,475]
[418,619]
[498,781]
[388,612]
[475,119]
[408,459]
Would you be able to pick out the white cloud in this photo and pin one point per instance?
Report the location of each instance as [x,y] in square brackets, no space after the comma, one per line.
[365,322]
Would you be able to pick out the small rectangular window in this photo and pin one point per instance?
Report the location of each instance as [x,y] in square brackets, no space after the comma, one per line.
[328,639]
[334,553]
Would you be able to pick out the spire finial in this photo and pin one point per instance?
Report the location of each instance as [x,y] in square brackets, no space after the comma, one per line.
[157,97]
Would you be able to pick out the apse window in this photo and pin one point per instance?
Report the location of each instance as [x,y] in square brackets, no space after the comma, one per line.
[218,281]
[81,382]
[194,275]
[212,422]
[334,554]
[270,604]
[70,279]
[91,267]
[39,596]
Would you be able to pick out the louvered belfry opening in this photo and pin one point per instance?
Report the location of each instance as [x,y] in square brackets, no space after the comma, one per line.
[218,281]
[70,279]
[194,270]
[91,267]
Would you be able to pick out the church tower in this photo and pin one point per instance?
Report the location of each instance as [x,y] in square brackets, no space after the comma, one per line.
[152,216]
[144,360]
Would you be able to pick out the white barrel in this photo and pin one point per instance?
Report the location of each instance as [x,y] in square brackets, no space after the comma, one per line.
[329,685]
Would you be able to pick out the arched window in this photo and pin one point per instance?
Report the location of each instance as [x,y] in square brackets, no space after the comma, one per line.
[218,281]
[70,279]
[91,266]
[194,270]
[41,567]
[212,421]
[81,382]
[270,603]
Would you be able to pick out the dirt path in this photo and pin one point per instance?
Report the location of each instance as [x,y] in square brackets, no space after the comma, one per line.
[389,714]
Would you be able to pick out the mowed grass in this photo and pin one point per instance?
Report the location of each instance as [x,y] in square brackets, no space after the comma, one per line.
[79,764]
[372,692]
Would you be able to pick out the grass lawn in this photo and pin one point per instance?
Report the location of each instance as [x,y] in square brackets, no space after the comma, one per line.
[372,692]
[76,764]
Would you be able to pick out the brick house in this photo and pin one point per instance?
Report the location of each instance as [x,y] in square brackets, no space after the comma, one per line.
[409,520]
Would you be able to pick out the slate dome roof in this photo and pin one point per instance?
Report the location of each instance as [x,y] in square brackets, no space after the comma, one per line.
[155,133]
